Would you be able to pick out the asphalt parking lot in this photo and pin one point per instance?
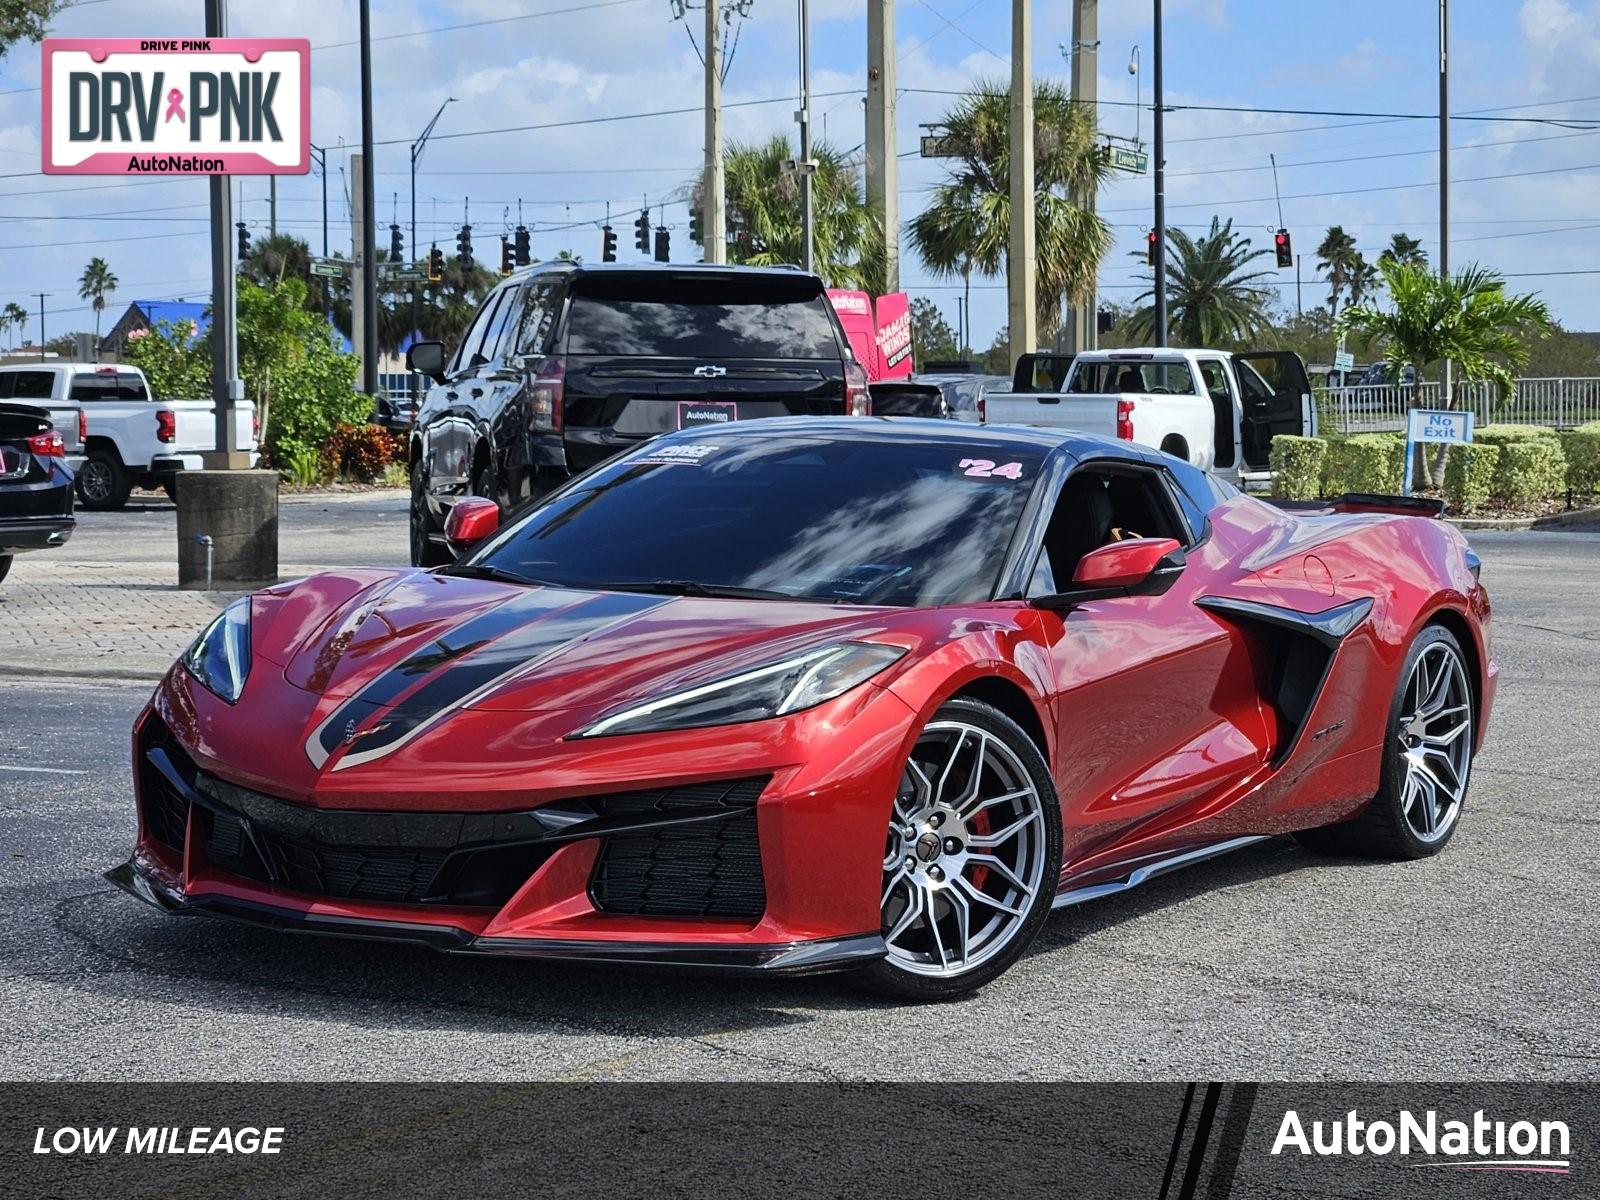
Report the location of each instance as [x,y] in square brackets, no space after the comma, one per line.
[1270,964]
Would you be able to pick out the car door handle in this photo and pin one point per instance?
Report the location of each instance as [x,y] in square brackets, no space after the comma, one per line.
[477,391]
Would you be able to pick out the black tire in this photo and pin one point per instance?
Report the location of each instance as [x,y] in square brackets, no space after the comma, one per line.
[1383,828]
[5,566]
[170,487]
[103,482]
[893,977]
[424,551]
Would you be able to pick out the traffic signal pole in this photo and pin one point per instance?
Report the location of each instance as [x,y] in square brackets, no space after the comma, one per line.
[1444,176]
[808,233]
[1159,149]
[1020,248]
[369,251]
[883,166]
[226,386]
[1079,320]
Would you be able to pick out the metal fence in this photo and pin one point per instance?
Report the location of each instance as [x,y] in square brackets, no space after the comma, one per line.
[1562,402]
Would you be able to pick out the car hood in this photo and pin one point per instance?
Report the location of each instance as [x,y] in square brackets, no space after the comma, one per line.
[426,644]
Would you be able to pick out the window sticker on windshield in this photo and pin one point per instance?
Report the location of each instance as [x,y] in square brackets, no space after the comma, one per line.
[984,468]
[690,455]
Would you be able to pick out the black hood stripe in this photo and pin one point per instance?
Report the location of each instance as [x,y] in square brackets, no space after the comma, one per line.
[477,666]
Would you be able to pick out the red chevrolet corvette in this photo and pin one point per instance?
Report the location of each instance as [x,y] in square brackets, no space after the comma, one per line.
[800,695]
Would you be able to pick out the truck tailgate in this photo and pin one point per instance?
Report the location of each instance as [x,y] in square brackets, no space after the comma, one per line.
[197,425]
[1054,410]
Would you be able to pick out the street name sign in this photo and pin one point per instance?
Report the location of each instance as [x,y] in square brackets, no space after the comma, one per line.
[404,272]
[329,268]
[177,106]
[939,145]
[1126,159]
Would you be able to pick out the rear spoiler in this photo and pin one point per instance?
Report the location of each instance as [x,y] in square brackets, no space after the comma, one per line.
[1368,502]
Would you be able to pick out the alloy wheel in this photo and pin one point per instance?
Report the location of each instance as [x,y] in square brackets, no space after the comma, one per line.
[94,478]
[1435,734]
[965,854]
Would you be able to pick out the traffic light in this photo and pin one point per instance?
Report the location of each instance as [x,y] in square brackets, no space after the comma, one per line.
[1104,320]
[641,231]
[244,241]
[694,224]
[507,265]
[1285,252]
[608,244]
[435,265]
[663,245]
[397,245]
[524,246]
[464,246]
[1150,248]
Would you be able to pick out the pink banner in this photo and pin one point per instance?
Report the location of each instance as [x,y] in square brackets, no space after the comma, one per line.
[855,314]
[894,336]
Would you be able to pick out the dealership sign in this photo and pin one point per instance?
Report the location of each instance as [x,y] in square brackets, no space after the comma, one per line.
[170,106]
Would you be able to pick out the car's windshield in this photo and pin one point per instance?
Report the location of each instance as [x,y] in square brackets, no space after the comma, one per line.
[867,518]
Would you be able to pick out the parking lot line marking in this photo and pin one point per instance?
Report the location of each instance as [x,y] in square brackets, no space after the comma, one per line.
[42,770]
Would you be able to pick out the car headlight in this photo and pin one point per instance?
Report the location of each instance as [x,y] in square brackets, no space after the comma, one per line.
[786,686]
[220,656]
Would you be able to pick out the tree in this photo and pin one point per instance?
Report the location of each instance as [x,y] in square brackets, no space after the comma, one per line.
[1337,257]
[932,337]
[1212,294]
[96,283]
[1466,318]
[25,20]
[764,213]
[1402,248]
[966,225]
[1365,279]
[13,314]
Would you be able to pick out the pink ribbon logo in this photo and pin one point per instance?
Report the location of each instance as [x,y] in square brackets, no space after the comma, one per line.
[175,105]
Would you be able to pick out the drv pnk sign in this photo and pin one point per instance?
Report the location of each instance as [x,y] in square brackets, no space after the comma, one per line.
[177,106]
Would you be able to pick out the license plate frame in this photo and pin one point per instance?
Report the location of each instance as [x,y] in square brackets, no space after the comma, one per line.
[693,414]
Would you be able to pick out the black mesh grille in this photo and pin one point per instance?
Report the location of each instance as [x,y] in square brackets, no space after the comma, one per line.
[342,872]
[711,868]
[165,812]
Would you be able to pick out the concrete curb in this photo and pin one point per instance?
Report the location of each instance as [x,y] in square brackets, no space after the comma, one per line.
[93,674]
[1578,520]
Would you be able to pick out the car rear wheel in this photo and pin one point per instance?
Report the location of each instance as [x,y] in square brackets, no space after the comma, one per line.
[103,482]
[972,856]
[1427,759]
[424,552]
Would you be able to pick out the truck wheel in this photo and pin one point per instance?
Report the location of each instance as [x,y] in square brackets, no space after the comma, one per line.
[424,553]
[170,487]
[5,565]
[103,482]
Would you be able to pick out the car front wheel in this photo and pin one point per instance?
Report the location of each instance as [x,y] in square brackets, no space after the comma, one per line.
[972,856]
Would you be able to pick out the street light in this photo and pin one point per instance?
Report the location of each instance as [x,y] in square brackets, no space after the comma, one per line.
[1133,69]
[416,154]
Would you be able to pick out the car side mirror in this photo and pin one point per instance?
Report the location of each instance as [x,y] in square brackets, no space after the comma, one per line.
[426,358]
[471,519]
[1136,567]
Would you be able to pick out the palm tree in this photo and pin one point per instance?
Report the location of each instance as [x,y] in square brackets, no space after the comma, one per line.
[1365,279]
[1212,296]
[764,213]
[1466,318]
[96,284]
[13,314]
[966,225]
[1402,248]
[1338,255]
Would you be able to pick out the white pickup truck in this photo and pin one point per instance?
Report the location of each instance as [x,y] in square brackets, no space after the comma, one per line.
[1218,409]
[133,440]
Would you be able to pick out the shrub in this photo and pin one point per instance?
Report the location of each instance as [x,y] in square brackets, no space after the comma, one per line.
[1367,462]
[1530,470]
[1506,435]
[359,452]
[1297,464]
[304,467]
[1582,448]
[1469,475]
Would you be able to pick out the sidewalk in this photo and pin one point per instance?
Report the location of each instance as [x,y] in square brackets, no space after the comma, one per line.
[107,605]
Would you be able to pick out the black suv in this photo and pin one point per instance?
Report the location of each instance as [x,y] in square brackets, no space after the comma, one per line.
[566,365]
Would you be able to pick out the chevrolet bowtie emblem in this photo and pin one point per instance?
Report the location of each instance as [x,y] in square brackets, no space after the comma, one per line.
[710,372]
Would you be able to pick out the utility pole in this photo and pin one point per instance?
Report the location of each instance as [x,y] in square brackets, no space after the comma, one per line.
[883,164]
[1084,55]
[358,267]
[1159,149]
[322,165]
[1020,254]
[713,210]
[807,237]
[226,386]
[272,205]
[1299,310]
[416,153]
[1445,389]
[369,252]
[41,326]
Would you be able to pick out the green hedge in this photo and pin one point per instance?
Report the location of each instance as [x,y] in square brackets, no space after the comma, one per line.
[1530,470]
[1506,435]
[1367,462]
[1297,466]
[1582,448]
[1469,475]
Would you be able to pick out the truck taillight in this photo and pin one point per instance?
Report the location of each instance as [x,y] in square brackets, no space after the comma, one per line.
[48,445]
[857,403]
[545,399]
[1125,420]
[83,426]
[166,425]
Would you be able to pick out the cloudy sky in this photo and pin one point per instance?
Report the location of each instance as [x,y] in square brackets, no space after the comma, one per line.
[1524,200]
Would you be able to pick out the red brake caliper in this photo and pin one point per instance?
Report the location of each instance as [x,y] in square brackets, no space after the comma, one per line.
[980,824]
